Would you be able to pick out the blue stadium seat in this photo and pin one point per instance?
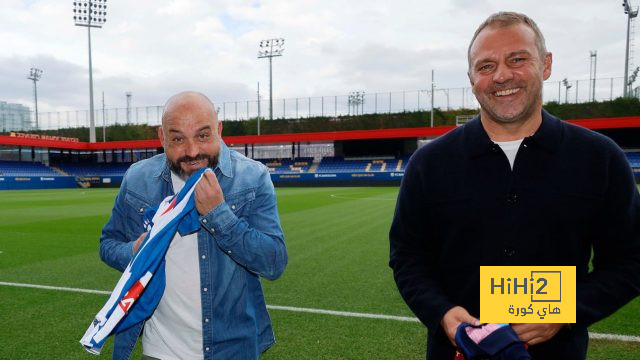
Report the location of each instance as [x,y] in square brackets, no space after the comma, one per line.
[25,168]
[103,169]
[288,166]
[338,164]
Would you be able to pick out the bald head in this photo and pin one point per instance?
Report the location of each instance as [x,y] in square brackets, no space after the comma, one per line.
[190,133]
[189,102]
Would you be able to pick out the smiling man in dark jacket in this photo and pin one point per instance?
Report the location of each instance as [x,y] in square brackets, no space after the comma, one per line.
[515,186]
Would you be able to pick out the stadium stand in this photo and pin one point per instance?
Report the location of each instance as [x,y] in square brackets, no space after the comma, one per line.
[338,164]
[86,169]
[330,164]
[634,161]
[288,166]
[24,168]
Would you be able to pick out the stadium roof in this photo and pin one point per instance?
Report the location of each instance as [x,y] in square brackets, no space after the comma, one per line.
[422,132]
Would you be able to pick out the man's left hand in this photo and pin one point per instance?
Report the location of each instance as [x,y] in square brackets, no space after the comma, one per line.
[208,193]
[534,334]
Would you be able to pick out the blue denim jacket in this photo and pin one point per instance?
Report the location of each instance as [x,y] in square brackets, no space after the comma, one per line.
[239,240]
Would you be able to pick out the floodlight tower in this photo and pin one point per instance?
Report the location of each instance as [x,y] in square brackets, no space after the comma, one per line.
[356,99]
[352,103]
[433,90]
[593,59]
[567,86]
[269,49]
[630,15]
[129,95]
[35,75]
[632,79]
[90,13]
[353,109]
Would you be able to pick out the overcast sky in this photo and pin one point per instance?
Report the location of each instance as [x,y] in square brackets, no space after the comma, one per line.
[156,48]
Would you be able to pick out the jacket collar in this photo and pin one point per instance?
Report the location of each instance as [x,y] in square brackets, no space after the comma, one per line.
[548,136]
[224,164]
[224,160]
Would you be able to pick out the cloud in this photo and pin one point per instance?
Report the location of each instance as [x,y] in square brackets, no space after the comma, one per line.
[156,48]
[59,83]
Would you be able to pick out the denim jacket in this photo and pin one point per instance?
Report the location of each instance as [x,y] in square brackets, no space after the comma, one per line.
[238,241]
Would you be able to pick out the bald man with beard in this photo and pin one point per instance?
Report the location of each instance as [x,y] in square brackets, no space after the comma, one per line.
[213,305]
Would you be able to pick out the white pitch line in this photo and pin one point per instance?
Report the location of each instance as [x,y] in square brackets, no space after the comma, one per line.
[360,198]
[344,313]
[59,288]
[627,338]
[592,335]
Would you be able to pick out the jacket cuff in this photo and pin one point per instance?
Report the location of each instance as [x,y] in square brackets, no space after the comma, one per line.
[434,323]
[131,253]
[123,255]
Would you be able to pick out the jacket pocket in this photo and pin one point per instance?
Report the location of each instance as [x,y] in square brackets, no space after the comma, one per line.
[240,202]
[135,208]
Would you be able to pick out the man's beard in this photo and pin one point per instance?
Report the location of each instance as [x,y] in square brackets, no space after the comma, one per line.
[175,166]
[527,106]
[528,109]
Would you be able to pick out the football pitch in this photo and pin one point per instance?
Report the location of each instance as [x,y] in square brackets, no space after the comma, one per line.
[338,253]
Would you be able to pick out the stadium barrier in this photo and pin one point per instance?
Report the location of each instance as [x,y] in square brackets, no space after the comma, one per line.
[287,179]
[37,182]
[100,181]
[338,179]
[291,179]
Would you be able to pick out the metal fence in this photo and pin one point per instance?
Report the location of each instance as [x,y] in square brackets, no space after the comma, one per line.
[574,91]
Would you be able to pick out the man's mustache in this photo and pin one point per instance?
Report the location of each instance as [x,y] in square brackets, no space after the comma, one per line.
[187,158]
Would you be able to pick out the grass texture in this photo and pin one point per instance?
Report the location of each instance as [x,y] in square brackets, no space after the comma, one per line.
[337,240]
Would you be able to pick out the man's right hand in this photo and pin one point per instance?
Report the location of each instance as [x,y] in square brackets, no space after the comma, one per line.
[453,318]
[136,245]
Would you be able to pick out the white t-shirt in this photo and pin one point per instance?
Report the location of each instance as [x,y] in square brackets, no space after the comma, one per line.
[174,331]
[510,148]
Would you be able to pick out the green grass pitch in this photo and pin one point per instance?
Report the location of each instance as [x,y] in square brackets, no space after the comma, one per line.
[338,253]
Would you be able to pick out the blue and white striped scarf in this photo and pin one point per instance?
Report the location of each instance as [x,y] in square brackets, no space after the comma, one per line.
[140,288]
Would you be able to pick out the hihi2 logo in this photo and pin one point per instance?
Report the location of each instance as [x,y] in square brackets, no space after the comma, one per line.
[528,294]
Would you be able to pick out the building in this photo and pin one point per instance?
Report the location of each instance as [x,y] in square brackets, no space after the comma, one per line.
[14,117]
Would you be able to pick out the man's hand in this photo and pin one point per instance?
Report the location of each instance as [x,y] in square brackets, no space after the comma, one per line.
[208,193]
[534,334]
[136,245]
[453,318]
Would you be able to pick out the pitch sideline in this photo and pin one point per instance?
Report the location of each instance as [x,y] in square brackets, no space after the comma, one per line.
[373,198]
[592,335]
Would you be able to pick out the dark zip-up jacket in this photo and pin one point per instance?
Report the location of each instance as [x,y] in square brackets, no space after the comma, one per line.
[460,206]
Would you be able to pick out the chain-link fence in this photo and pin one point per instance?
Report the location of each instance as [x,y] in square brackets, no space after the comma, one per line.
[570,91]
